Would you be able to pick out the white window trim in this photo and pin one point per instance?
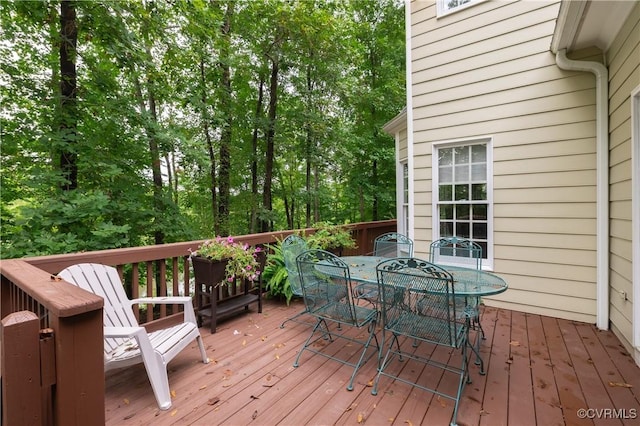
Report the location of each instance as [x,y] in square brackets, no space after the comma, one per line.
[402,225]
[635,218]
[441,8]
[487,264]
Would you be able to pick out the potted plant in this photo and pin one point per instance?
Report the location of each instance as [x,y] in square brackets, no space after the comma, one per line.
[217,265]
[331,237]
[239,260]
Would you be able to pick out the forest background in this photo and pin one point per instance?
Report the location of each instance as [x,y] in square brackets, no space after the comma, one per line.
[128,123]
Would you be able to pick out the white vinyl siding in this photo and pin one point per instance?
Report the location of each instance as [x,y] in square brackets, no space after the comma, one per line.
[623,60]
[487,70]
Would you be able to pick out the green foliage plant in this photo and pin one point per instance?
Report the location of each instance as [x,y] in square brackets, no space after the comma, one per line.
[275,274]
[326,237]
[242,259]
[331,237]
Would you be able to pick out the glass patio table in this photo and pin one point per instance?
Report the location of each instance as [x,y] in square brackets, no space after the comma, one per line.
[467,282]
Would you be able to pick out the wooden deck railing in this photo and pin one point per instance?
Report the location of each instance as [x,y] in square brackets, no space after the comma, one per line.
[74,318]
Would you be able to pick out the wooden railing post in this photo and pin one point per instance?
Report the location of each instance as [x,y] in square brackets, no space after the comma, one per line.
[21,401]
[80,369]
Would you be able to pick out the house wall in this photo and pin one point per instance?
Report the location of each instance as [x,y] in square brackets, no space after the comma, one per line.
[488,71]
[402,145]
[623,60]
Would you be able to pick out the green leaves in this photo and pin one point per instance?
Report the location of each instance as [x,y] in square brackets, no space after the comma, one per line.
[152,71]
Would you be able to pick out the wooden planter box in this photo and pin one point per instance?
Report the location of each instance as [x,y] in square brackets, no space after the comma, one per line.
[215,301]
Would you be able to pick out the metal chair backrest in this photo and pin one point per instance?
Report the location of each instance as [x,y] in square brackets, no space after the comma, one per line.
[416,299]
[457,251]
[393,244]
[292,246]
[325,282]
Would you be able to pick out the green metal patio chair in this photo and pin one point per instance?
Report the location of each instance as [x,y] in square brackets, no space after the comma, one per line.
[391,245]
[292,246]
[417,301]
[462,252]
[325,285]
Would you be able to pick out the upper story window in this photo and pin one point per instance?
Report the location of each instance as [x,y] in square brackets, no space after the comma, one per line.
[462,188]
[449,6]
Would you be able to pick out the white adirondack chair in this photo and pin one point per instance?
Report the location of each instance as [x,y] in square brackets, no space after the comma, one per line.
[125,341]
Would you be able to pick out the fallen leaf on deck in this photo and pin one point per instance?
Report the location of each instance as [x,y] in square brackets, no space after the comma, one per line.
[213,401]
[126,401]
[620,384]
[254,415]
[203,387]
[360,417]
[254,397]
[408,422]
[244,342]
[236,332]
[173,394]
[226,385]
[129,416]
[263,338]
[442,403]
[277,356]
[174,412]
[514,343]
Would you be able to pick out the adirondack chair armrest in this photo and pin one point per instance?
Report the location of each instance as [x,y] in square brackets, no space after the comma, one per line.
[123,331]
[166,300]
[186,301]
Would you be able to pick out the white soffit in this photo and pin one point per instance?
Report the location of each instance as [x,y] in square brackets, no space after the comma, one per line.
[589,23]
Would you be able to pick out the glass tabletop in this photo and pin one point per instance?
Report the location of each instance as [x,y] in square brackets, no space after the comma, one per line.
[466,281]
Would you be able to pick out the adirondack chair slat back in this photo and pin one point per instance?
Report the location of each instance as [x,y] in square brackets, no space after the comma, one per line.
[104,281]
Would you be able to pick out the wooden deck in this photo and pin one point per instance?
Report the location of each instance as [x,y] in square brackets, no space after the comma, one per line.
[540,371]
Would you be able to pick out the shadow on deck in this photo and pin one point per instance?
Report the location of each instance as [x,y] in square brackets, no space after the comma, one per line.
[540,370]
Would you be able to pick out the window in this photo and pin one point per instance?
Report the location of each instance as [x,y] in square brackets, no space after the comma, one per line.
[445,7]
[462,193]
[404,224]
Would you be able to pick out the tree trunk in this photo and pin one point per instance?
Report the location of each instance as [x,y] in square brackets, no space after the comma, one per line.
[210,149]
[224,175]
[68,90]
[271,131]
[254,158]
[154,150]
[308,150]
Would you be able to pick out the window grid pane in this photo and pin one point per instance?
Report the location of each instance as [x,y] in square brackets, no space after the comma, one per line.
[462,193]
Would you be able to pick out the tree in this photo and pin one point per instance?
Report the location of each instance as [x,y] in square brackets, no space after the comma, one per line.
[156,121]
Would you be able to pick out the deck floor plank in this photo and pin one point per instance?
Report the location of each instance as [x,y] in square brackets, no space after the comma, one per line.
[520,373]
[496,396]
[571,397]
[556,368]
[471,404]
[545,393]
